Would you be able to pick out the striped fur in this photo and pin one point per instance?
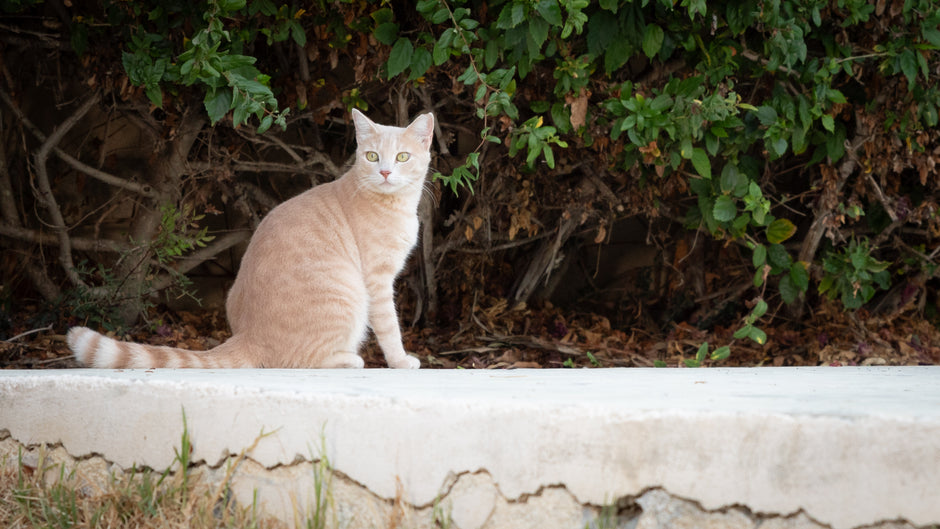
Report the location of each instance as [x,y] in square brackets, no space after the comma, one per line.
[318,273]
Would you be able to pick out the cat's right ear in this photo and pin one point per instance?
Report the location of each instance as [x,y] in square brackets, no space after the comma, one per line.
[364,126]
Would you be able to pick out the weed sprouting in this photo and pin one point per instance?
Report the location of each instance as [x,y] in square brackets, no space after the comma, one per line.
[38,493]
[323,509]
[44,495]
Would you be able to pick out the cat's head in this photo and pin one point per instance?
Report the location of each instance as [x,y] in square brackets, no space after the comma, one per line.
[391,159]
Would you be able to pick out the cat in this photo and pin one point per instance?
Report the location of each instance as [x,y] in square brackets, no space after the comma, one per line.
[319,271]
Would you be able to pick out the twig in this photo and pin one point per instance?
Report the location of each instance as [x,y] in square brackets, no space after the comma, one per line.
[45,189]
[823,212]
[27,333]
[46,239]
[882,198]
[140,189]
[8,211]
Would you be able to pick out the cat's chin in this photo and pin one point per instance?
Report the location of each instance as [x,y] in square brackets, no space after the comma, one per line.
[386,187]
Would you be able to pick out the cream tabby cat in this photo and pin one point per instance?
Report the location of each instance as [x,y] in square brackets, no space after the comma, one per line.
[318,272]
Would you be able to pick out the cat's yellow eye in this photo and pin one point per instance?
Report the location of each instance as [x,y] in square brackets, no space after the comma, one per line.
[403,157]
[372,156]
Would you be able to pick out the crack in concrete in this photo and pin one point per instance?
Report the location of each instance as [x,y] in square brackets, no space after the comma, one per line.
[627,511]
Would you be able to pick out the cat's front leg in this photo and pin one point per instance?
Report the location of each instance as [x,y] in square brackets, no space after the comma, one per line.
[383,319]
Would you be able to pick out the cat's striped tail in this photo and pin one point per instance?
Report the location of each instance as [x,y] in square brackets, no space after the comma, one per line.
[96,350]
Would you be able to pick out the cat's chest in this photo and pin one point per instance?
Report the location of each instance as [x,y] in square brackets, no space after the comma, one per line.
[391,241]
[395,239]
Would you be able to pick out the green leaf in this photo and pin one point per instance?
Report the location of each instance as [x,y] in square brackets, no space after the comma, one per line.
[760,308]
[851,300]
[381,16]
[788,290]
[743,332]
[400,57]
[702,352]
[701,163]
[733,181]
[386,33]
[440,16]
[725,209]
[240,114]
[550,11]
[538,31]
[757,335]
[442,47]
[602,31]
[758,279]
[931,34]
[779,256]
[297,33]
[230,5]
[265,124]
[780,230]
[778,146]
[420,62]
[691,362]
[766,115]
[760,256]
[721,353]
[217,103]
[653,38]
[617,54]
[548,155]
[836,96]
[828,122]
[154,94]
[800,276]
[909,66]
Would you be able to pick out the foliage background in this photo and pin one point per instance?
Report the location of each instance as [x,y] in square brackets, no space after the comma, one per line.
[616,183]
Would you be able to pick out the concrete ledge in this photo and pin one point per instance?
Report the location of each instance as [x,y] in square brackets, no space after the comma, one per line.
[842,447]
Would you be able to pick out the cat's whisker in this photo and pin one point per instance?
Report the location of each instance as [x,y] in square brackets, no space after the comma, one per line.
[427,189]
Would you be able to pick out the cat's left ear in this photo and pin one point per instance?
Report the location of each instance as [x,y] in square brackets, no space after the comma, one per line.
[423,128]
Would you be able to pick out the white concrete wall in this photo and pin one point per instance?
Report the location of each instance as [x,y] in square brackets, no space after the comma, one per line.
[843,447]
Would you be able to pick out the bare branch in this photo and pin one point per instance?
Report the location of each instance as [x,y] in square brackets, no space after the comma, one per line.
[37,275]
[45,189]
[49,239]
[140,189]
[315,157]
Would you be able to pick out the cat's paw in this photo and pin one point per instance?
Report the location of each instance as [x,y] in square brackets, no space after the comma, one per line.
[405,362]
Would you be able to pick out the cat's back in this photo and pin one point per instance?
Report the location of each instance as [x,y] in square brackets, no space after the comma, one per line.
[303,215]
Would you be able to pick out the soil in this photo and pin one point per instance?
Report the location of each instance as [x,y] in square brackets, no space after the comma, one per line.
[500,336]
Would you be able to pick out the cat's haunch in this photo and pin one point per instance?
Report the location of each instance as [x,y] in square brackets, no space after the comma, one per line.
[319,271]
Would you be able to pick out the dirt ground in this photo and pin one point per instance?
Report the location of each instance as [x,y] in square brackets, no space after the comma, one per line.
[500,336]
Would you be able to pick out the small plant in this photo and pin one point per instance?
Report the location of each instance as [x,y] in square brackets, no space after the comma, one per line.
[322,512]
[46,495]
[179,233]
[852,274]
[441,517]
[606,518]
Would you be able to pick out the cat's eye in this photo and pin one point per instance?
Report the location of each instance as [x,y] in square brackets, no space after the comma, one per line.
[403,157]
[373,156]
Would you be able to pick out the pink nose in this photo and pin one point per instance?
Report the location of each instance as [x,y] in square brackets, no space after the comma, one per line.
[385,174]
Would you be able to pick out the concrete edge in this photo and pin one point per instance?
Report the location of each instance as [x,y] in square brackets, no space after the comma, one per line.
[714,447]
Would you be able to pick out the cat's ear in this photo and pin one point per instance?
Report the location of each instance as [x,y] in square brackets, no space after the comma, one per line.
[365,127]
[423,128]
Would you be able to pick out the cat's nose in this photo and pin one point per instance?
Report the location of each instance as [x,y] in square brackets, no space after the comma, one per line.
[385,174]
